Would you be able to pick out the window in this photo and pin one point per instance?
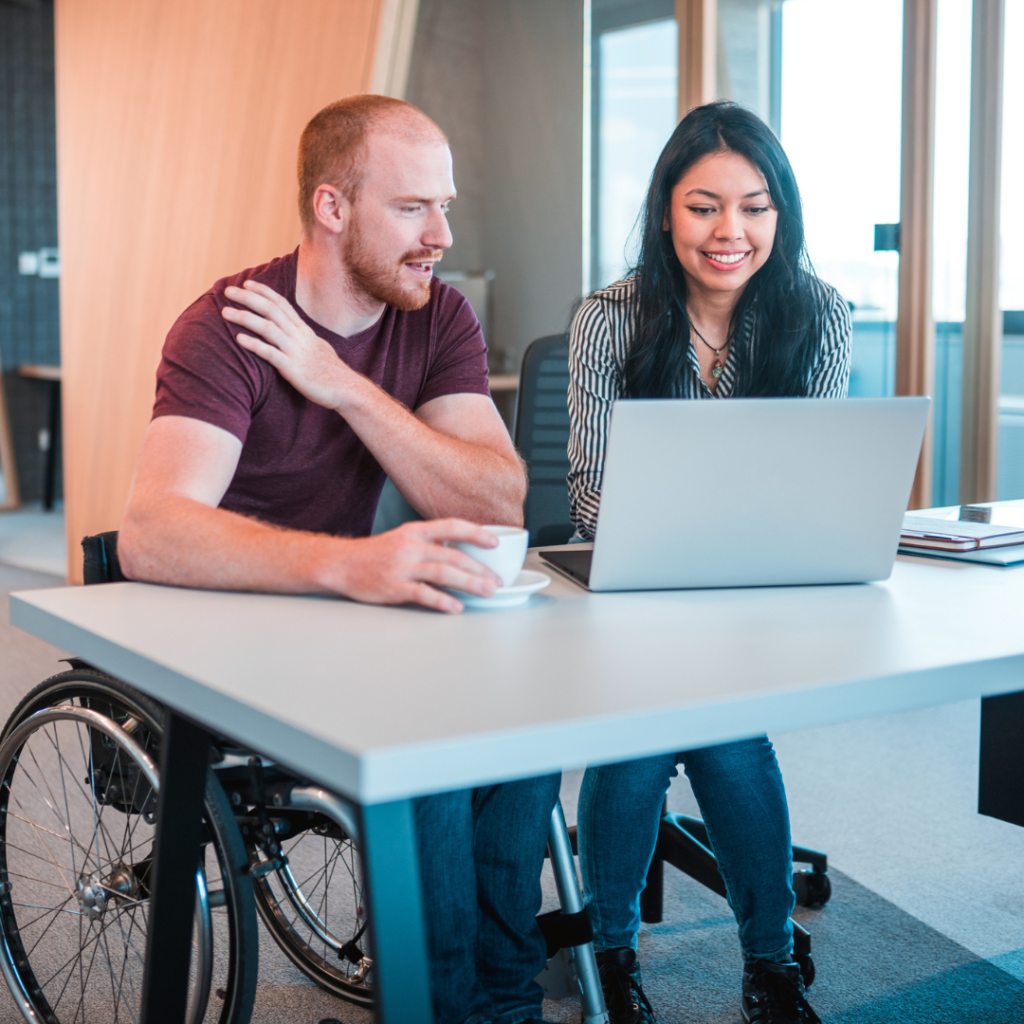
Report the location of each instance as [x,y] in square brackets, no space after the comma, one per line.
[844,144]
[635,101]
[949,245]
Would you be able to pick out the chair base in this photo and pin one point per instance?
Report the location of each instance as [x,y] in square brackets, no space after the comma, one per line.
[683,843]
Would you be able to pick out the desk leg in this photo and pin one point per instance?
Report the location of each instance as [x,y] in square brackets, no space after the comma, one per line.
[184,758]
[392,884]
[49,484]
[1001,774]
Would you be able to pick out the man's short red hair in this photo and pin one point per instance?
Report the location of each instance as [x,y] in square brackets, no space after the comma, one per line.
[332,150]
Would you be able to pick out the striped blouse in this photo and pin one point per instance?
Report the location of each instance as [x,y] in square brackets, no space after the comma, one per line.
[599,339]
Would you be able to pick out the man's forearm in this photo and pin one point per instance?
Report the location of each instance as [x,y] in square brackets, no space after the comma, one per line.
[185,543]
[439,474]
[460,479]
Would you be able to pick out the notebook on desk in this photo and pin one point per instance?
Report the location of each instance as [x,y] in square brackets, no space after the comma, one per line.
[991,533]
[750,492]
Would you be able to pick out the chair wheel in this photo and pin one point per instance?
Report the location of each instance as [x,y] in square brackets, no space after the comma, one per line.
[812,888]
[806,962]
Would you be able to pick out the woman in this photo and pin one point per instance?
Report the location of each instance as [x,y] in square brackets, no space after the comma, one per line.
[722,303]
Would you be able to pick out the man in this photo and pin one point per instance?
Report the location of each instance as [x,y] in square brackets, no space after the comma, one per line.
[284,396]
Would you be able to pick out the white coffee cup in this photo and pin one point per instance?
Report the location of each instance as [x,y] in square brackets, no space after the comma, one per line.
[507,558]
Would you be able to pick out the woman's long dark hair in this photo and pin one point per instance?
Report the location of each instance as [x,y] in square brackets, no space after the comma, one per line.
[783,297]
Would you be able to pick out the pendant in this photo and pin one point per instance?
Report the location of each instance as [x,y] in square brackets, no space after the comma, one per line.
[716,372]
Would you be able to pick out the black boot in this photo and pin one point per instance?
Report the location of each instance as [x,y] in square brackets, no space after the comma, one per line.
[623,993]
[775,994]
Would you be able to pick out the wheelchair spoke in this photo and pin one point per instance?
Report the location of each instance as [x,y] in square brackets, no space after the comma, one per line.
[52,801]
[127,938]
[55,911]
[88,974]
[39,906]
[46,860]
[47,911]
[39,828]
[31,878]
[327,885]
[38,834]
[318,874]
[76,959]
[91,797]
[115,995]
[64,791]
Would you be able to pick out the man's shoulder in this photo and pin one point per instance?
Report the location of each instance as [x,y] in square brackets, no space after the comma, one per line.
[205,309]
[278,273]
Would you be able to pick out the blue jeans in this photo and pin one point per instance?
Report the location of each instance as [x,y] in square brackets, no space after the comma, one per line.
[743,802]
[481,852]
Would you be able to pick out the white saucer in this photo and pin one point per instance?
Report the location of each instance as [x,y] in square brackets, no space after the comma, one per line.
[527,583]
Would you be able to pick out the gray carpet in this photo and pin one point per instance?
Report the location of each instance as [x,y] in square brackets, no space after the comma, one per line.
[876,962]
[876,965]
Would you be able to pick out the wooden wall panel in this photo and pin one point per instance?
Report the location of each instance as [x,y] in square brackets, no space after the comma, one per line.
[983,324]
[177,127]
[698,52]
[915,328]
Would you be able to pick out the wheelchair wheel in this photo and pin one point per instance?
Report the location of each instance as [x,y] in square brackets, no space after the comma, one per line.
[78,785]
[314,909]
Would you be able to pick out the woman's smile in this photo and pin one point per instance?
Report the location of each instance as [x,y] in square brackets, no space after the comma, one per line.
[726,260]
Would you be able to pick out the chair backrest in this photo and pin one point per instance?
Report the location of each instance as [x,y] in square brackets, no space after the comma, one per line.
[542,436]
[100,564]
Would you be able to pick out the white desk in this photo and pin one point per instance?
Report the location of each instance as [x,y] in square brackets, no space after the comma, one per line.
[386,704]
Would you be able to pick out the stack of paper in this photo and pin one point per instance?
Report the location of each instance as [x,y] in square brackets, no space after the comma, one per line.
[956,535]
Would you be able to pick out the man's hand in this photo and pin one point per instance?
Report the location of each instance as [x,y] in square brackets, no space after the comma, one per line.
[288,343]
[407,564]
[452,456]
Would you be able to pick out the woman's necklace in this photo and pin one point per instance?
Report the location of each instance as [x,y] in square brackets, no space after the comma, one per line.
[716,370]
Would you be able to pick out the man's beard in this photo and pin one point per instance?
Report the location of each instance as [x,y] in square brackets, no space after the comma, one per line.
[383,279]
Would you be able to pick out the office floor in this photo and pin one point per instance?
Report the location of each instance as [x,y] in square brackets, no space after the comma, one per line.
[926,924]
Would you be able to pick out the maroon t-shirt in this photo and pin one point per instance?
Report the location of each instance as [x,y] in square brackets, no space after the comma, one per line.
[302,466]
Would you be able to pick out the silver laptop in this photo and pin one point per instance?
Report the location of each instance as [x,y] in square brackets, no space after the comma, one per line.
[750,492]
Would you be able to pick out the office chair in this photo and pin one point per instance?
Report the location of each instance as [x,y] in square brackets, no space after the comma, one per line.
[542,438]
[541,435]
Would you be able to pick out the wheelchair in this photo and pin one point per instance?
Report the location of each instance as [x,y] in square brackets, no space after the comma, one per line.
[79,780]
